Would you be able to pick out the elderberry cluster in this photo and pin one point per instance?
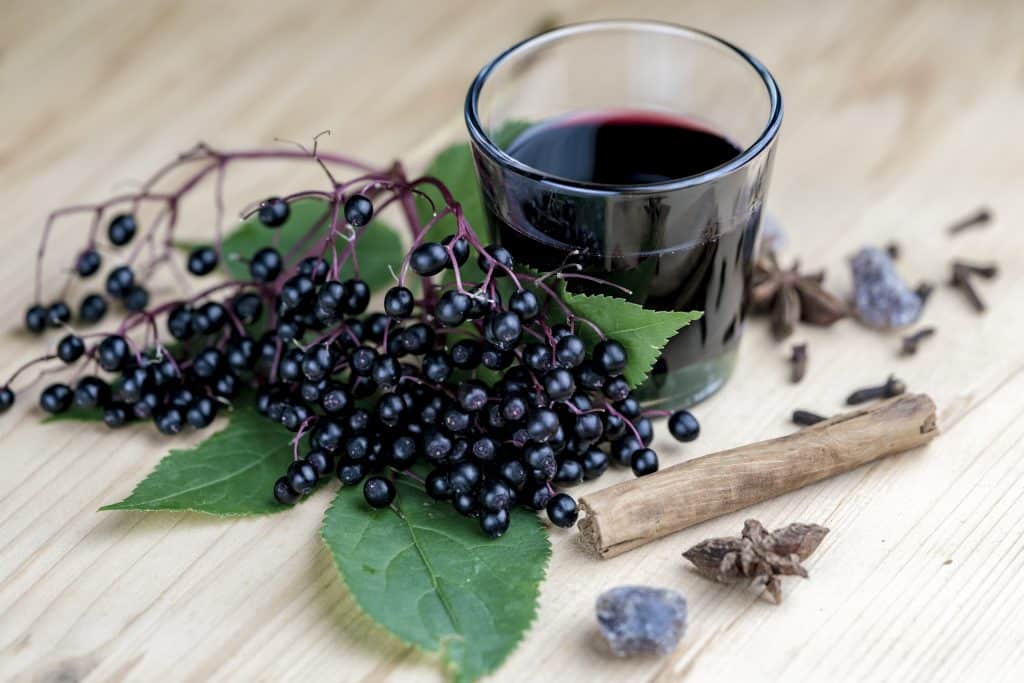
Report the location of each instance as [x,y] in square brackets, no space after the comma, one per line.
[483,393]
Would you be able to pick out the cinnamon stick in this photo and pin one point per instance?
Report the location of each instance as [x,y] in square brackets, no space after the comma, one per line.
[635,512]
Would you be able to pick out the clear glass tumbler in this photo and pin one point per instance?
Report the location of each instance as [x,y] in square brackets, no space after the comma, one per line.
[677,241]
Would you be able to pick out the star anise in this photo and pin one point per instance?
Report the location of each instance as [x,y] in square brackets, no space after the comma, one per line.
[789,296]
[757,556]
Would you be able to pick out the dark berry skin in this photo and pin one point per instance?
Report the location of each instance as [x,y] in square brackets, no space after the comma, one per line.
[58,314]
[460,248]
[610,357]
[595,462]
[122,229]
[70,348]
[350,473]
[56,398]
[513,473]
[302,477]
[88,262]
[542,425]
[430,258]
[398,302]
[623,449]
[362,359]
[202,261]
[266,265]
[569,472]
[179,322]
[562,510]
[570,351]
[683,426]
[436,366]
[495,524]
[92,309]
[136,299]
[437,485]
[378,492]
[645,428]
[503,329]
[201,413]
[113,353]
[525,304]
[35,319]
[559,384]
[115,415]
[6,399]
[322,462]
[644,461]
[283,492]
[538,498]
[209,318]
[466,354]
[499,254]
[616,388]
[358,210]
[274,212]
[452,308]
[356,296]
[120,281]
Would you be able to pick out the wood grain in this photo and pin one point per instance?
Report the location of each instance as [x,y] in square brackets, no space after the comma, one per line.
[900,117]
[632,513]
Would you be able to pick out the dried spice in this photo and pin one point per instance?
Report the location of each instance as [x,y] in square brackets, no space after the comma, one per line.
[798,363]
[806,418]
[641,620]
[881,298]
[893,250]
[963,276]
[892,387]
[757,556]
[977,219]
[909,344]
[790,296]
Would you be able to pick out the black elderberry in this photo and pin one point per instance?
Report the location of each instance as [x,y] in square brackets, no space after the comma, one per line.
[136,298]
[472,395]
[317,362]
[629,407]
[417,339]
[559,384]
[207,362]
[494,524]
[595,463]
[283,492]
[91,391]
[614,426]
[35,319]
[465,504]
[202,260]
[378,492]
[266,265]
[201,413]
[296,292]
[683,426]
[302,477]
[436,366]
[88,262]
[616,388]
[357,447]
[645,428]
[386,371]
[56,398]
[562,510]
[335,400]
[356,296]
[358,210]
[113,353]
[273,212]
[321,461]
[644,461]
[390,408]
[588,376]
[350,473]
[484,449]
[361,359]
[623,448]
[570,351]
[499,254]
[226,385]
[569,472]
[209,318]
[134,383]
[122,229]
[120,281]
[453,307]
[589,427]
[495,358]
[513,473]
[145,406]
[169,421]
[542,425]
[437,485]
[402,452]
[538,498]
[610,357]
[537,357]
[503,329]
[541,459]
[560,330]
[115,415]
[240,353]
[429,258]
[398,302]
[58,314]
[315,268]
[289,330]
[327,435]
[6,399]
[179,322]
[70,348]
[525,304]
[494,495]
[92,309]
[460,248]
[455,421]
[436,446]
[466,354]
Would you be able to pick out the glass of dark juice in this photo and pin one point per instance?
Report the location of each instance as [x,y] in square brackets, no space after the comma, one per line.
[640,152]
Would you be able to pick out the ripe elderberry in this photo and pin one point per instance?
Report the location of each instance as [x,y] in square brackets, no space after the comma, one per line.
[379,492]
[202,261]
[683,425]
[274,212]
[358,210]
[122,229]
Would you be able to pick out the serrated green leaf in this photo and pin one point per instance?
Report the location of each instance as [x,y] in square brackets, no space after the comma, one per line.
[433,579]
[75,414]
[231,473]
[378,247]
[642,331]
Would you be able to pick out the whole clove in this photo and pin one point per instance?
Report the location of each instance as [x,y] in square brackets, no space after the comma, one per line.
[980,217]
[963,273]
[798,363]
[806,418]
[892,387]
[910,343]
[757,556]
[893,250]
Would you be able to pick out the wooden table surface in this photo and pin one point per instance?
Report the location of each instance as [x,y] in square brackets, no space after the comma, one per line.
[900,116]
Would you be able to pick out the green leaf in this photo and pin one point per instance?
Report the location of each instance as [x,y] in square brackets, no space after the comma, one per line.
[642,331]
[231,473]
[75,414]
[434,580]
[378,245]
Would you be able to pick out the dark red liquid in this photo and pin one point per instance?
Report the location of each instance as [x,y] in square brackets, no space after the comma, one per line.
[688,249]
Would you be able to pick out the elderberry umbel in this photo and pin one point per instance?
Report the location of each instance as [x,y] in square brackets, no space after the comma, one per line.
[485,391]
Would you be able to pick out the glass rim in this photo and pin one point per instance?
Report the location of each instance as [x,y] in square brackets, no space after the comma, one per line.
[480,137]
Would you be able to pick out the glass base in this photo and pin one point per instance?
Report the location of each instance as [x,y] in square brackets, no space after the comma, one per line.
[687,386]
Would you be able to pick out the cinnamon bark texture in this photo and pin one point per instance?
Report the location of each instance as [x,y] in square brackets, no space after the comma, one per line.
[632,513]
[757,556]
